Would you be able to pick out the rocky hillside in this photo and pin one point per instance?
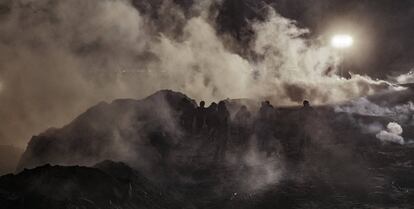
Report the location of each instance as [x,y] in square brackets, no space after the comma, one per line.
[121,130]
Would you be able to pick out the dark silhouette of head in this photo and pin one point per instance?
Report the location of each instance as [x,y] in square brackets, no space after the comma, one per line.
[243,107]
[202,103]
[306,103]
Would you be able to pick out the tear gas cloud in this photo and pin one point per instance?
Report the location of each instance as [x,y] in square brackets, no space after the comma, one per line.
[392,134]
[59,57]
[363,106]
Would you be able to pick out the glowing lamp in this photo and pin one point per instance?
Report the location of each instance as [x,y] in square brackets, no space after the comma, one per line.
[342,41]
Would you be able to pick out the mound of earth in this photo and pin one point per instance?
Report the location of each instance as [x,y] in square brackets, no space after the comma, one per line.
[338,165]
[106,185]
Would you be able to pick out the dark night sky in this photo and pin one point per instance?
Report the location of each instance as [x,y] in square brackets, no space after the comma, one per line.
[388,23]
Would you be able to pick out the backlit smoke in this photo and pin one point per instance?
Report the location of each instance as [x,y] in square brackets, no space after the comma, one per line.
[59,57]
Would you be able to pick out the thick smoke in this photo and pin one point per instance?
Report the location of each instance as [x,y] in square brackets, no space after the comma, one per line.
[405,78]
[363,106]
[392,134]
[59,57]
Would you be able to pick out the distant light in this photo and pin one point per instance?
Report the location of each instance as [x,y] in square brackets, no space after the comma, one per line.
[342,41]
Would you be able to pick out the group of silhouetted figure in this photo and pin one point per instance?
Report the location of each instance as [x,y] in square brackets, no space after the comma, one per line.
[221,129]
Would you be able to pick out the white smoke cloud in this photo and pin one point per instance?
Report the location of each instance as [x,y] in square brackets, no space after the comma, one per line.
[362,106]
[59,57]
[392,134]
[402,114]
[295,68]
[395,128]
[201,66]
[404,78]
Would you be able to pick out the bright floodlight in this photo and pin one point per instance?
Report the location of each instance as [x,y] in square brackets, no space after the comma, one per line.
[342,41]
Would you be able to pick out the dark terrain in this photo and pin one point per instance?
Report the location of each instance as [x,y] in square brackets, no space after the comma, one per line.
[168,166]
[106,185]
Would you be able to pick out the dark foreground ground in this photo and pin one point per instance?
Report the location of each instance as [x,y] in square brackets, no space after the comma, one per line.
[389,183]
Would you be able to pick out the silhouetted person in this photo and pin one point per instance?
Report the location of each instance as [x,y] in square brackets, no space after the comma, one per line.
[307,117]
[306,113]
[306,105]
[299,137]
[266,111]
[242,125]
[223,116]
[243,117]
[186,114]
[212,118]
[264,126]
[200,117]
[212,122]
[223,129]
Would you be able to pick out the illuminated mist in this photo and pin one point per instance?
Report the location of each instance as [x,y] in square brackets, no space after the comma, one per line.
[60,57]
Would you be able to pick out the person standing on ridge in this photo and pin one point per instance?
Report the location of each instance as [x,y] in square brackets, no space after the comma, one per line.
[200,117]
[223,130]
[264,127]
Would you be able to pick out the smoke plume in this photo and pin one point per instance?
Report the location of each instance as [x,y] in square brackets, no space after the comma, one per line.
[401,114]
[59,57]
[392,134]
[363,106]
